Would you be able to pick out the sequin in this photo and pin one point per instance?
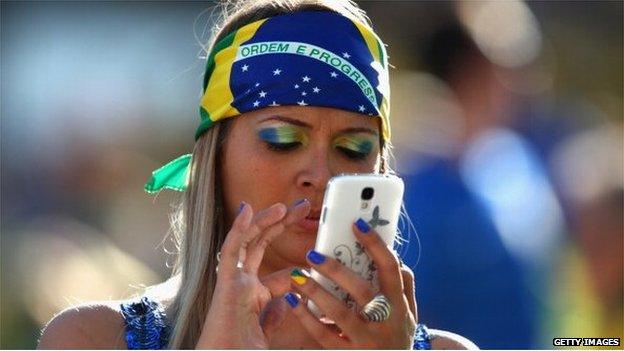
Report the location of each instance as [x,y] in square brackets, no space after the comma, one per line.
[422,339]
[146,325]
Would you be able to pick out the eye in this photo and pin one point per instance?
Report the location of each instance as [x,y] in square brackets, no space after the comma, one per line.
[283,146]
[352,154]
[282,138]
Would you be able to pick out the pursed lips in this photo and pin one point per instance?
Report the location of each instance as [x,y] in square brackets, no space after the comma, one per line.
[311,222]
[314,214]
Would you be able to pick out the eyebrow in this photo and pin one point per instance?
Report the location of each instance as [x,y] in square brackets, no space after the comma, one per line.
[307,126]
[287,120]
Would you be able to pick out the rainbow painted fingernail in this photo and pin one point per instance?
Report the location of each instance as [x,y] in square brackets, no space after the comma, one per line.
[292,299]
[299,276]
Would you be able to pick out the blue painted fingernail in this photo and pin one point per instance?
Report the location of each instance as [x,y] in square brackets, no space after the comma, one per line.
[315,257]
[362,225]
[300,202]
[292,299]
[240,208]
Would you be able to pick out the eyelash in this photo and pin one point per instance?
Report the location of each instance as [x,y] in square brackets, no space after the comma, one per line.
[351,154]
[282,146]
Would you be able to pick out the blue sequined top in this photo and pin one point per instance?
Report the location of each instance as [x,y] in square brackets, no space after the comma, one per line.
[147,328]
[146,325]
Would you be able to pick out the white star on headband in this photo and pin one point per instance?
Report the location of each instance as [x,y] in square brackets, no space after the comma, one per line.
[361,108]
[256,103]
[302,103]
[257,84]
[334,74]
[277,72]
[346,55]
[262,93]
[316,89]
[296,86]
[304,93]
[245,68]
[274,104]
[306,79]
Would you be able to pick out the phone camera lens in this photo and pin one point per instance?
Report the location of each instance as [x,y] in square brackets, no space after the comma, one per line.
[367,193]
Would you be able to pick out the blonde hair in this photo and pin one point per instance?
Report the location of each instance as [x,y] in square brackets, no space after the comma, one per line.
[198,224]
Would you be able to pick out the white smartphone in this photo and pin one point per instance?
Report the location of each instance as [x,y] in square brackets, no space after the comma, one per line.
[376,198]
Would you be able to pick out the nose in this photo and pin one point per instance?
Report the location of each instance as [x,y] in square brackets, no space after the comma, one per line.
[315,171]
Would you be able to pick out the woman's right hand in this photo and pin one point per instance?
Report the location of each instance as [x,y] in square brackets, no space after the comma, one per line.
[233,321]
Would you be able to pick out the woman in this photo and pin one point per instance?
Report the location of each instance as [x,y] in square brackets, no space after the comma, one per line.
[295,92]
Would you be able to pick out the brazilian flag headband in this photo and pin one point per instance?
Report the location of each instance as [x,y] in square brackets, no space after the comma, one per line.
[308,58]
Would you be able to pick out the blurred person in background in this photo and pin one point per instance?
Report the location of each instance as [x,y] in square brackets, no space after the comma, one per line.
[588,167]
[482,204]
[274,129]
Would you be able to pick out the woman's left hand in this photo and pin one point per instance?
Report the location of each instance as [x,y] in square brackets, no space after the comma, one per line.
[396,284]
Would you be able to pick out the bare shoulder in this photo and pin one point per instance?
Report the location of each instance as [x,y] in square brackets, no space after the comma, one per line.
[97,325]
[444,340]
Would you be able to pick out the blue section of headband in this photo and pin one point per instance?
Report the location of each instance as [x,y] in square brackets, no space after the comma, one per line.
[290,79]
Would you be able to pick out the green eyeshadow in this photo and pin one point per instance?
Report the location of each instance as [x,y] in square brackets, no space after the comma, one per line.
[283,134]
[357,143]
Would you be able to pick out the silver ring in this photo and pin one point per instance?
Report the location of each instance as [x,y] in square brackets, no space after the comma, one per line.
[377,310]
[239,264]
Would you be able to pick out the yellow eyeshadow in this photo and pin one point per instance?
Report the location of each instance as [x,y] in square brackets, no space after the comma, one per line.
[358,143]
[282,134]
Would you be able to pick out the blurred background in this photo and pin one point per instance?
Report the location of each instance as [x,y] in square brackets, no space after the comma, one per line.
[507,126]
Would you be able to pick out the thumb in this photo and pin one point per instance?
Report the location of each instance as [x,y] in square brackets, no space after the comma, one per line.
[277,282]
[272,316]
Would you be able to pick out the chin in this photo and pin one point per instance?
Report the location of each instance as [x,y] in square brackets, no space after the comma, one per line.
[293,247]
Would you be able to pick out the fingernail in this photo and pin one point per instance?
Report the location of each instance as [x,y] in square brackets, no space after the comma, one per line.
[299,202]
[299,276]
[315,257]
[362,225]
[240,208]
[292,299]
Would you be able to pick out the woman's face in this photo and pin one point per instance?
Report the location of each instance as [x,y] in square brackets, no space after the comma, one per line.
[286,153]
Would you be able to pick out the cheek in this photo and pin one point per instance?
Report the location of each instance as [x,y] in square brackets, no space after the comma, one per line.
[342,164]
[250,174]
